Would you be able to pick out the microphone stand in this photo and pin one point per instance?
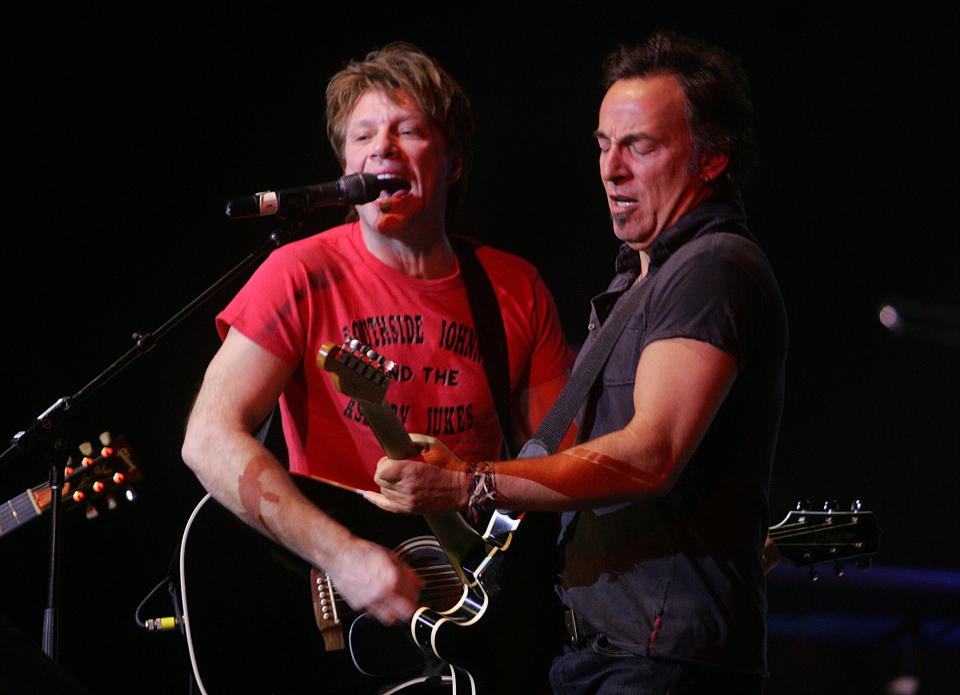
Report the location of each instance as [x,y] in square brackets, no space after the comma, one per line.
[42,432]
[50,642]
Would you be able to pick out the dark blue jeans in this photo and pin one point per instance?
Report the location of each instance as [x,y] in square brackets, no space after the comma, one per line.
[596,668]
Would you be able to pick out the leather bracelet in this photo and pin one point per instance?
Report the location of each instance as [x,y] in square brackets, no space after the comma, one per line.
[481,490]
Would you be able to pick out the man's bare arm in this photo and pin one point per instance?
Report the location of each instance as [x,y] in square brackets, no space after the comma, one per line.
[239,389]
[680,385]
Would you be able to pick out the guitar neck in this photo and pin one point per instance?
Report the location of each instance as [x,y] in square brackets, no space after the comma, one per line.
[458,540]
[391,434]
[23,508]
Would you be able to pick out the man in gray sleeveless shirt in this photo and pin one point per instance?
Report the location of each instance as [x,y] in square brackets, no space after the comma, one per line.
[665,498]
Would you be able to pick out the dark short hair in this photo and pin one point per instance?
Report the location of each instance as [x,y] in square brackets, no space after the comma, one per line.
[403,66]
[715,87]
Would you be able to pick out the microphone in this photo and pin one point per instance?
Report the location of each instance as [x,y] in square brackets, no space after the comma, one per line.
[355,189]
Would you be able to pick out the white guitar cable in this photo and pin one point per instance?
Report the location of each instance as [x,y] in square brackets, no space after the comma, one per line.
[183,594]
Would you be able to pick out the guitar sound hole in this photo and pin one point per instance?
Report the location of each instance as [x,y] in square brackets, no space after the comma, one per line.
[442,588]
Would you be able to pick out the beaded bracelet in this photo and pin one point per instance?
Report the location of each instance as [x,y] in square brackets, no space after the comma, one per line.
[481,490]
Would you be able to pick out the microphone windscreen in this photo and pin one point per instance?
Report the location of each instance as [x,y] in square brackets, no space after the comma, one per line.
[359,189]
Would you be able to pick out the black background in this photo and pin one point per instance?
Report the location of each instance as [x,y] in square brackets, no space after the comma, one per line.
[126,131]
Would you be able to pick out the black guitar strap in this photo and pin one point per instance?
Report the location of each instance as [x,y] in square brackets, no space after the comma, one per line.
[491,335]
[575,393]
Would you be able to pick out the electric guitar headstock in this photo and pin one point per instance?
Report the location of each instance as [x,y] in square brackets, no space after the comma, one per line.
[808,537]
[357,370]
[97,479]
[102,476]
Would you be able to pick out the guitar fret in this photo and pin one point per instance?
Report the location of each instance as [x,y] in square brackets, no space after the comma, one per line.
[7,517]
[16,511]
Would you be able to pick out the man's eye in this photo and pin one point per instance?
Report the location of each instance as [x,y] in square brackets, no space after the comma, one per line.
[641,149]
[604,144]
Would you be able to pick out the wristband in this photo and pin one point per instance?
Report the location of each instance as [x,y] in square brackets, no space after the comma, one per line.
[481,490]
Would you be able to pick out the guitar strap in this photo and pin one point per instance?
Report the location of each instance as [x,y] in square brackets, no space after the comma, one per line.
[491,335]
[556,423]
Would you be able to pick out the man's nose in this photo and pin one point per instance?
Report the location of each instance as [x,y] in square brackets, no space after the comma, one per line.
[384,144]
[612,166]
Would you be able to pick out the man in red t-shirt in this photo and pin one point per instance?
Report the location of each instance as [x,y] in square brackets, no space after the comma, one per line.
[391,279]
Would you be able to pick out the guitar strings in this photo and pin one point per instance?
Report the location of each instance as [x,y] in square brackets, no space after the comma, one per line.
[803,530]
[440,582]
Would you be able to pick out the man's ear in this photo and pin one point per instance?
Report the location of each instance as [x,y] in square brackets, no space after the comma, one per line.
[713,165]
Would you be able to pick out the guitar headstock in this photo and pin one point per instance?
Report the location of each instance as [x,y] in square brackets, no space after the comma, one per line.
[103,474]
[357,370]
[809,537]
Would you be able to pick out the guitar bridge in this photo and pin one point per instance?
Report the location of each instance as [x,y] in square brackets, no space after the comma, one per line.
[325,611]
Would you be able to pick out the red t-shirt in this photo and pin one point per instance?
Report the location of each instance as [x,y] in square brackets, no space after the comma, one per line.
[328,286]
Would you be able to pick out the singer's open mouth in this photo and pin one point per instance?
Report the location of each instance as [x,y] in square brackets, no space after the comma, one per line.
[393,185]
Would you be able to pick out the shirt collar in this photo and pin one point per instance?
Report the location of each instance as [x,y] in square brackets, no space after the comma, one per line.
[711,213]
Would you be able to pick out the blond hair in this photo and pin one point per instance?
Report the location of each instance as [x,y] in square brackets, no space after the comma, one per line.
[402,66]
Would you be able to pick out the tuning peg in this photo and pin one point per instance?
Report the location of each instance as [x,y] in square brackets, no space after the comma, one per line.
[111,502]
[856,506]
[812,574]
[130,495]
[802,505]
[838,568]
[353,344]
[98,486]
[92,512]
[864,563]
[389,366]
[830,506]
[372,355]
[105,438]
[86,449]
